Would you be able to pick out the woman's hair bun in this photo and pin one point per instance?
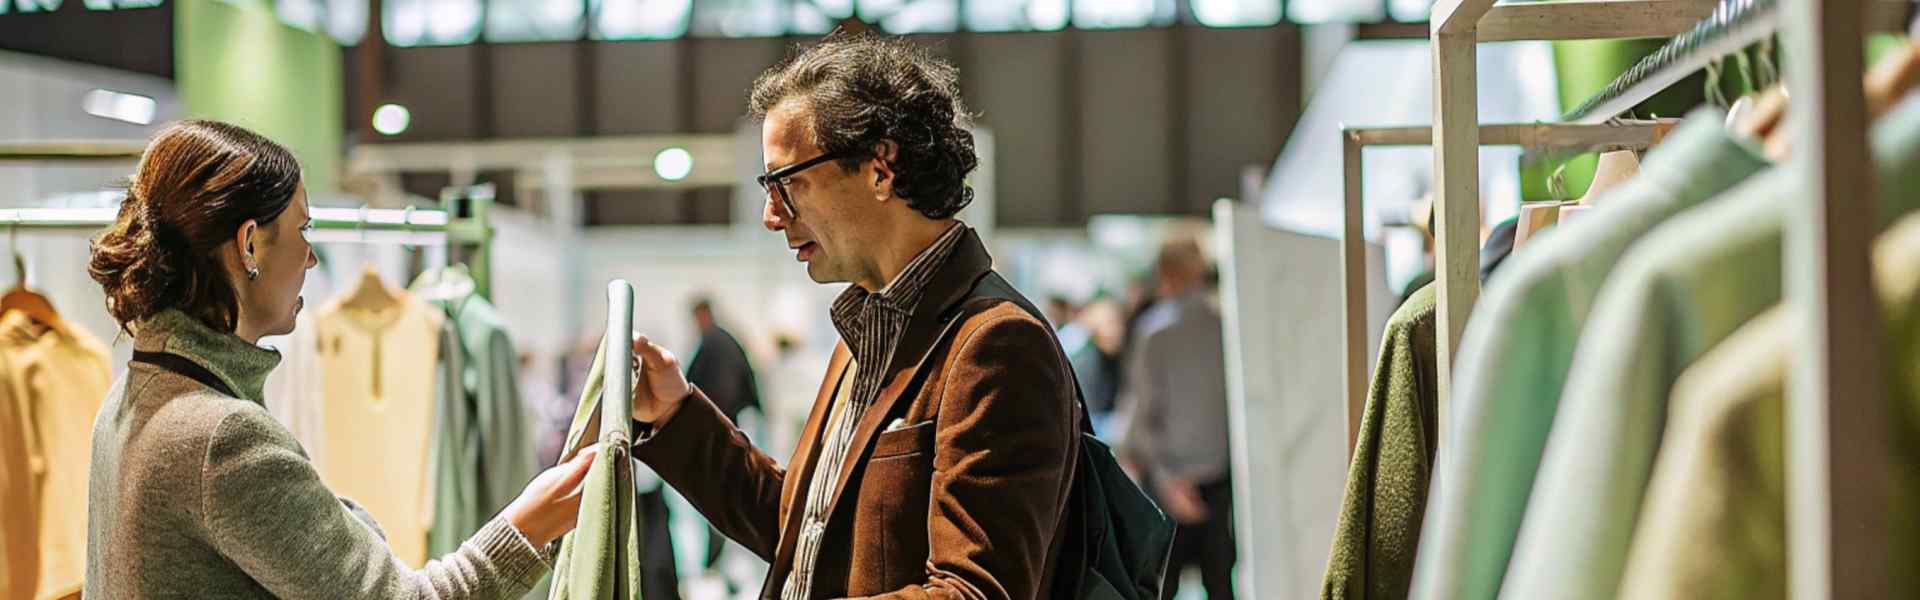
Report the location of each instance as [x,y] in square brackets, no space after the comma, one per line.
[197,183]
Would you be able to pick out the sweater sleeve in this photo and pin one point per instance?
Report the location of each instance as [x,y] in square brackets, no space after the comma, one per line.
[264,507]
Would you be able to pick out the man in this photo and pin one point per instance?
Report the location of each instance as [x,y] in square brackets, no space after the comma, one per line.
[939,455]
[720,366]
[1172,418]
[720,369]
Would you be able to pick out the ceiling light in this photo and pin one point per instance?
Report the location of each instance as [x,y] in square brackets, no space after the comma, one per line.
[673,164]
[120,106]
[391,119]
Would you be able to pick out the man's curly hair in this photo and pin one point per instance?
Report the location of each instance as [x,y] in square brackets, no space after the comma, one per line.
[860,89]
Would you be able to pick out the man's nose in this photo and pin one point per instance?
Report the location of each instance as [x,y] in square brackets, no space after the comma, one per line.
[771,217]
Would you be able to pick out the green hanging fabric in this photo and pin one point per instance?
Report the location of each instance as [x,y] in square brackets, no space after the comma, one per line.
[601,559]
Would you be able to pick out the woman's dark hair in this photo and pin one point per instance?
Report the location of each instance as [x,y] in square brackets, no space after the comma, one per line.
[862,88]
[198,182]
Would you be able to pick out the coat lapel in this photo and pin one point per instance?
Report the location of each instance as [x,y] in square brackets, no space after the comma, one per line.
[801,466]
[968,262]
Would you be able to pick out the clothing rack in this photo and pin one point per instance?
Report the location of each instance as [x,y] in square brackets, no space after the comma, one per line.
[73,150]
[462,222]
[1734,25]
[1837,418]
[1637,135]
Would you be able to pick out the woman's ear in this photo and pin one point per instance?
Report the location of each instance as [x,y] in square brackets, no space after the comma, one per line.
[246,240]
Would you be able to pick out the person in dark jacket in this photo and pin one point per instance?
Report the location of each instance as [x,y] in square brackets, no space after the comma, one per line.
[721,369]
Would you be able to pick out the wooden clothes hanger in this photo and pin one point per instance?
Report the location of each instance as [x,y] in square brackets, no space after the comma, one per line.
[1885,85]
[1616,167]
[28,302]
[370,293]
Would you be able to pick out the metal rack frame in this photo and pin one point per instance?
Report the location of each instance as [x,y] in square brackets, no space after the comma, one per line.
[1636,135]
[462,222]
[1836,501]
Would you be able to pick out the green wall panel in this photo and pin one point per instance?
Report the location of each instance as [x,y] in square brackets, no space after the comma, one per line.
[236,62]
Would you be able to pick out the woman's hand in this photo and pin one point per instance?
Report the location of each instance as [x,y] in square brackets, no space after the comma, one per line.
[550,506]
[658,384]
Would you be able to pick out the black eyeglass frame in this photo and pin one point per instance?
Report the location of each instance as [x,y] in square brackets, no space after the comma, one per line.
[775,181]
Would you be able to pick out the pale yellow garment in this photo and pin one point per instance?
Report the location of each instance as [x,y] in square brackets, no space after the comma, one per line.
[378,372]
[1715,524]
[53,378]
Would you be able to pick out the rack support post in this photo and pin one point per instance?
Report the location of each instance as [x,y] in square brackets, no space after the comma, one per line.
[1837,421]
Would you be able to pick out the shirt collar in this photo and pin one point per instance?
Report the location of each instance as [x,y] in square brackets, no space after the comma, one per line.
[901,294]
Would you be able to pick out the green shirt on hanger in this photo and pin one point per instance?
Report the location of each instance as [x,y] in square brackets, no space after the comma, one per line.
[483,452]
[1379,527]
[1715,522]
[587,563]
[1517,349]
[1675,295]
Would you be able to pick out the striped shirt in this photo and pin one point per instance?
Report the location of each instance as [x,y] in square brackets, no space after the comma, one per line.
[870,324]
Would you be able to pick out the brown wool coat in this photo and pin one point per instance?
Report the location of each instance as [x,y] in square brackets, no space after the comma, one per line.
[965,502]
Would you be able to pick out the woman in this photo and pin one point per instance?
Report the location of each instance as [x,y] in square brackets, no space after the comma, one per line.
[195,491]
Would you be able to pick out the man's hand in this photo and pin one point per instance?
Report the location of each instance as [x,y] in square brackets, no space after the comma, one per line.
[658,384]
[1183,501]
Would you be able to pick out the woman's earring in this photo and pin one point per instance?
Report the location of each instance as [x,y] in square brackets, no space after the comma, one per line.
[253,273]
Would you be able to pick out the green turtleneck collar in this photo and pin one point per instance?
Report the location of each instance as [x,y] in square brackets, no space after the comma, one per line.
[242,366]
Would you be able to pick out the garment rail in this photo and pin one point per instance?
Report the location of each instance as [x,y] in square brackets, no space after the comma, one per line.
[462,223]
[1636,135]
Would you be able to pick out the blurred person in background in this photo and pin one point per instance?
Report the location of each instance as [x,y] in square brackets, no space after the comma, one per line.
[1171,419]
[1092,342]
[721,369]
[1059,310]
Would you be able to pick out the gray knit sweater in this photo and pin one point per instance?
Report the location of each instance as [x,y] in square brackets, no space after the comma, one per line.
[195,494]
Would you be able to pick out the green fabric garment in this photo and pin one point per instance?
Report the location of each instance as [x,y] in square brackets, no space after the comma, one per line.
[1379,528]
[483,453]
[1715,522]
[588,559]
[1518,347]
[1676,294]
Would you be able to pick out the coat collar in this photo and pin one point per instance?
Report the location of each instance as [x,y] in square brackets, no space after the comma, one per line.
[240,365]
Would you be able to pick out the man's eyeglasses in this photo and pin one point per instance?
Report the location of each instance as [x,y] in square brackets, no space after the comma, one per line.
[775,182]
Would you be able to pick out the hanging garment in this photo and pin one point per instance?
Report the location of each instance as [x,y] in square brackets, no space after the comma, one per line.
[483,451]
[1498,247]
[379,412]
[1386,498]
[295,391]
[1675,295]
[1715,522]
[601,558]
[53,378]
[1516,351]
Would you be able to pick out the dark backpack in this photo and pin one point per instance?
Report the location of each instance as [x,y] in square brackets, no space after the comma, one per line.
[1117,539]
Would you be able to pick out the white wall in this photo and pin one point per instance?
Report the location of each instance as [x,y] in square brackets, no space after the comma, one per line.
[1281,308]
[40,99]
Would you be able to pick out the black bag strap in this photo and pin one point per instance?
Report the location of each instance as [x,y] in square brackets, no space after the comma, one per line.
[179,365]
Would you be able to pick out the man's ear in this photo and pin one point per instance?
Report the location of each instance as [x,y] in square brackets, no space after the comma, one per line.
[883,175]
